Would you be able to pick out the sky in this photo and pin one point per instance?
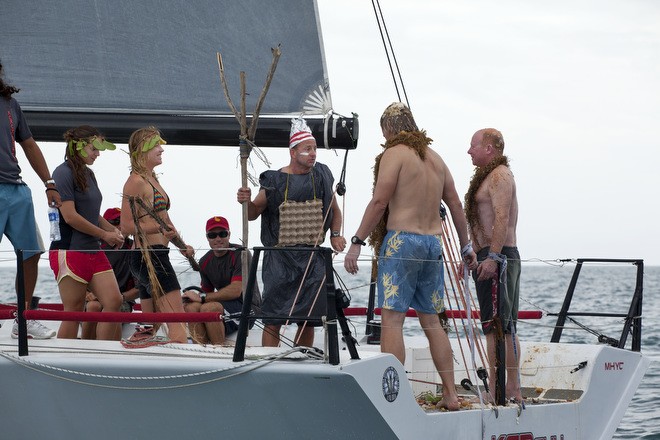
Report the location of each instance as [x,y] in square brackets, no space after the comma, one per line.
[573,86]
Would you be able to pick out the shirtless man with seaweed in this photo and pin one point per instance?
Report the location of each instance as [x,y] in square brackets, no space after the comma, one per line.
[404,217]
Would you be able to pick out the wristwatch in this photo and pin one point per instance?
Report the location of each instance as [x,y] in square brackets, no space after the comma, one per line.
[334,234]
[356,240]
[203,297]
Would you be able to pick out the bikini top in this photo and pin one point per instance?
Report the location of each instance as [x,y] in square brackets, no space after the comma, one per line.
[161,202]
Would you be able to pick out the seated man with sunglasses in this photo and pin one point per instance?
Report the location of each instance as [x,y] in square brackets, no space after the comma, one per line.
[221,288]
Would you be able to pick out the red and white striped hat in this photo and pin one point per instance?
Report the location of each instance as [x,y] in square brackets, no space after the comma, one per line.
[299,132]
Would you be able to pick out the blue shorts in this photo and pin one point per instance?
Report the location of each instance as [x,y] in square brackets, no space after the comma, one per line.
[17,219]
[410,273]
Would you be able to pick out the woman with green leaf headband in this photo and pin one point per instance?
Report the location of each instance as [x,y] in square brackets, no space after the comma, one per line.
[159,288]
[76,259]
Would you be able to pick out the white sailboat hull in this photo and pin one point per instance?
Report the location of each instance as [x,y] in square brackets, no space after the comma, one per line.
[98,389]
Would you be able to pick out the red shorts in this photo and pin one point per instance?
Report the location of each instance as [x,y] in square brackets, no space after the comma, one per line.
[81,266]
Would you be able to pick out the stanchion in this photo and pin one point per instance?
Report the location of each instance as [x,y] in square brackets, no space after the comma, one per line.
[20,302]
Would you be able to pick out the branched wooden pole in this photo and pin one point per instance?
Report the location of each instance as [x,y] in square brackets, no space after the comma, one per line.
[247,137]
[225,89]
[269,78]
[176,241]
[245,149]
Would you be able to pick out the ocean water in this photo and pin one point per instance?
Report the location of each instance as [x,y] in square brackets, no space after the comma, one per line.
[601,287]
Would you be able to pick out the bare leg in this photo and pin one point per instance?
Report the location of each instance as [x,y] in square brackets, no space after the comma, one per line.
[171,302]
[305,336]
[391,334]
[513,390]
[197,329]
[72,293]
[490,346]
[442,356]
[271,335]
[30,272]
[147,305]
[89,328]
[215,330]
[512,365]
[104,285]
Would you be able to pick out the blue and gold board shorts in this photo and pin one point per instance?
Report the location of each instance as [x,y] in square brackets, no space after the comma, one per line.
[410,273]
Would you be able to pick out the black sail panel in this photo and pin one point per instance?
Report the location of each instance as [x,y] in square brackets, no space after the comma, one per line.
[121,64]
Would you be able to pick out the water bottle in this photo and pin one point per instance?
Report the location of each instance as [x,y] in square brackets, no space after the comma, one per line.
[54,220]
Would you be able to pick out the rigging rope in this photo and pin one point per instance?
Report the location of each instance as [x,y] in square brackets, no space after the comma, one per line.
[389,49]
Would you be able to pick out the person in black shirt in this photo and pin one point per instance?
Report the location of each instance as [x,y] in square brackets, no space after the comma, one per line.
[221,287]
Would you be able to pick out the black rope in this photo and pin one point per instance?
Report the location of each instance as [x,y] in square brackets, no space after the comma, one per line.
[389,48]
[341,185]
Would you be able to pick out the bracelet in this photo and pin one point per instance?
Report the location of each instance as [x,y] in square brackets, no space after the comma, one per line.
[52,189]
[500,258]
[467,249]
[49,182]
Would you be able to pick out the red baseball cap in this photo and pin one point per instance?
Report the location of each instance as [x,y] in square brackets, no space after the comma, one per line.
[111,214]
[217,222]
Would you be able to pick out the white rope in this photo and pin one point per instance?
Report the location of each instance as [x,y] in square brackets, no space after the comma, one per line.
[251,366]
[472,345]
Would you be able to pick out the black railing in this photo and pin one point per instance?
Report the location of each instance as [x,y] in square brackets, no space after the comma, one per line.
[334,311]
[20,299]
[632,319]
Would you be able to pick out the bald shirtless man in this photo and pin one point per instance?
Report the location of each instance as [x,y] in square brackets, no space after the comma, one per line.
[491,208]
[404,216]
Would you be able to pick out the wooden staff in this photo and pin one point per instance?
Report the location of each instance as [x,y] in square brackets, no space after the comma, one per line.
[177,241]
[246,137]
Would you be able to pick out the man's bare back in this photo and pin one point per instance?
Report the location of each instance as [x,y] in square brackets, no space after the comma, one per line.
[412,181]
[415,202]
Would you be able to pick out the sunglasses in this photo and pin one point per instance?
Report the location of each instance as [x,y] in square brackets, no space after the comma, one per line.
[221,234]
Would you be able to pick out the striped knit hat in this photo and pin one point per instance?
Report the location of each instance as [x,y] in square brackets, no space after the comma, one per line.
[299,132]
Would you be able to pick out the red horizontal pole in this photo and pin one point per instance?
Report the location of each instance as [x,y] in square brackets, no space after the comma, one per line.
[49,306]
[452,314]
[49,315]
[9,312]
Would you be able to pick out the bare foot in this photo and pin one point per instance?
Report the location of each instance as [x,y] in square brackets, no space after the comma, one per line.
[515,395]
[449,404]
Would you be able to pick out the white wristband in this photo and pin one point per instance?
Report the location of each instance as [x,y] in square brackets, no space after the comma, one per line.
[466,249]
